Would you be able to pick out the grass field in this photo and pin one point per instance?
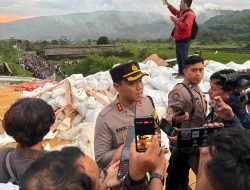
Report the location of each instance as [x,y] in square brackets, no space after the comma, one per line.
[167,51]
[137,51]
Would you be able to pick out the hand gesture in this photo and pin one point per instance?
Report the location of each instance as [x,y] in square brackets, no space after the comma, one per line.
[117,155]
[173,19]
[111,179]
[151,160]
[176,119]
[224,110]
[165,2]
[212,125]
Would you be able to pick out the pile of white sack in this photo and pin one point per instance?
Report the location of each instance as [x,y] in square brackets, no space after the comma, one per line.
[80,129]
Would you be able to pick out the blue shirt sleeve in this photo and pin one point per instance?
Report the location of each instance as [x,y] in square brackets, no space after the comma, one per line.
[235,122]
[239,110]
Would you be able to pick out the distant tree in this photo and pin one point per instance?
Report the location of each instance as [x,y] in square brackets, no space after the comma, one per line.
[63,40]
[54,42]
[102,40]
[89,41]
[247,45]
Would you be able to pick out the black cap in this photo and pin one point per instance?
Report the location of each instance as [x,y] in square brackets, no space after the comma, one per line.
[128,71]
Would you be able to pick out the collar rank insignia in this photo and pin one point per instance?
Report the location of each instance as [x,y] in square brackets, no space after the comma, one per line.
[119,107]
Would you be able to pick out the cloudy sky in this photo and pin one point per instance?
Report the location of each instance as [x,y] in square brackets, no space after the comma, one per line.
[30,8]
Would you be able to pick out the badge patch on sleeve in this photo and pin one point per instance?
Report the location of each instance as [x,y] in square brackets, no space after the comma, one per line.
[176,96]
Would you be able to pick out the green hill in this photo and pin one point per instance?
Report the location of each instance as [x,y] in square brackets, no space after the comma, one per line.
[230,26]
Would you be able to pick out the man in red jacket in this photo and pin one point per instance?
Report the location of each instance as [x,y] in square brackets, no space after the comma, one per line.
[183,20]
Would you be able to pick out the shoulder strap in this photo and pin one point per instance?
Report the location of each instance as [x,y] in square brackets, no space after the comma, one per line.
[189,10]
[13,178]
[192,100]
[156,118]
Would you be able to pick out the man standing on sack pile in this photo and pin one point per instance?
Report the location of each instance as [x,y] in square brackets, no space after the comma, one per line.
[188,98]
[113,120]
[183,20]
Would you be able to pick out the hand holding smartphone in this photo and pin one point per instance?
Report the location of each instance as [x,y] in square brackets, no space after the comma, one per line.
[124,161]
[177,109]
[144,131]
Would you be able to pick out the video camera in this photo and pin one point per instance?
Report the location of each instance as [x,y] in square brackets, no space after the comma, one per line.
[236,79]
[245,98]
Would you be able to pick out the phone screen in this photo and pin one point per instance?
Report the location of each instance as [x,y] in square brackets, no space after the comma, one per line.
[166,127]
[124,161]
[194,137]
[144,131]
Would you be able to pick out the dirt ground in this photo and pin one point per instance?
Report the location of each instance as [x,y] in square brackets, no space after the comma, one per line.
[7,97]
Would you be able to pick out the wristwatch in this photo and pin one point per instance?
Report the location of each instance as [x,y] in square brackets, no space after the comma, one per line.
[156,175]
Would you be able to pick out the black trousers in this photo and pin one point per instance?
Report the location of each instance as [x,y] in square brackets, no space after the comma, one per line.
[178,171]
[181,53]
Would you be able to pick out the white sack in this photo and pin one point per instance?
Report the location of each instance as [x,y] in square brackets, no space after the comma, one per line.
[82,108]
[76,120]
[46,96]
[58,92]
[91,102]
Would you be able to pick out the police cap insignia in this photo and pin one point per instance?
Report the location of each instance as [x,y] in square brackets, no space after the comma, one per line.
[134,67]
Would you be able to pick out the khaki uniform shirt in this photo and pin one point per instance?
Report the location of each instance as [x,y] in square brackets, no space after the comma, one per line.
[180,97]
[111,127]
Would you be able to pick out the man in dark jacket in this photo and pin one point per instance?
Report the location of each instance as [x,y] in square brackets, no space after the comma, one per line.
[230,96]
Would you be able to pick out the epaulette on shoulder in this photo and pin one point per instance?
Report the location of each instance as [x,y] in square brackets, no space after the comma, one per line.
[178,86]
[106,110]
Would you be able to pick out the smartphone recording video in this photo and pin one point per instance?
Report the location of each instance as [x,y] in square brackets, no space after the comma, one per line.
[144,131]
[124,161]
[167,127]
[194,137]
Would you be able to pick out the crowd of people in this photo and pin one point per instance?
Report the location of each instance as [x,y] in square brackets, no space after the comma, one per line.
[223,164]
[28,120]
[40,68]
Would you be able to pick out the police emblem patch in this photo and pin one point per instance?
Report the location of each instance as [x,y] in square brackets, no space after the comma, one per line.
[176,96]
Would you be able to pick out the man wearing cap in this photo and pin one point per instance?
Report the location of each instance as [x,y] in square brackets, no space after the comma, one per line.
[113,120]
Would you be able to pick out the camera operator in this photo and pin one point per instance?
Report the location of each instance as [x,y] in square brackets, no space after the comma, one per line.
[228,84]
[224,112]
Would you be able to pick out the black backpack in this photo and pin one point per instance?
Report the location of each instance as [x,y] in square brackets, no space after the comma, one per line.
[195,29]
